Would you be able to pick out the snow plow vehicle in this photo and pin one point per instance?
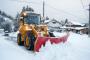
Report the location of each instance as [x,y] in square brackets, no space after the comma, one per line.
[32,34]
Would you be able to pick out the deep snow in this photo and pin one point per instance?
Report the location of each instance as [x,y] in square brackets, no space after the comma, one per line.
[76,48]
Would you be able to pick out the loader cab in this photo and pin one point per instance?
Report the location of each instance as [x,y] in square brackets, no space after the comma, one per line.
[31,18]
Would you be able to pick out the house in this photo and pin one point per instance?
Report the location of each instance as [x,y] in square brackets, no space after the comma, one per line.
[80,30]
[74,24]
[53,24]
[75,27]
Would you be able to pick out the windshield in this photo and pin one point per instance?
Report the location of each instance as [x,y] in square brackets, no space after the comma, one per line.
[33,19]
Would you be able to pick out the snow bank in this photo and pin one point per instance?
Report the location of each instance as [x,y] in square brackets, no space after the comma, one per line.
[13,34]
[58,34]
[2,31]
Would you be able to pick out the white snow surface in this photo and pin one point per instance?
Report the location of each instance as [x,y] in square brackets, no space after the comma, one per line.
[77,47]
[57,34]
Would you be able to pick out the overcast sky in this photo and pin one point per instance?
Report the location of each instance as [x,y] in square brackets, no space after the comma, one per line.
[75,10]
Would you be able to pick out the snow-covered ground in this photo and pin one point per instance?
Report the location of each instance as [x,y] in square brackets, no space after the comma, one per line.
[76,48]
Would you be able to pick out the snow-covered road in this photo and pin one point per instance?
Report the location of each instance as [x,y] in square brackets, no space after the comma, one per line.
[76,48]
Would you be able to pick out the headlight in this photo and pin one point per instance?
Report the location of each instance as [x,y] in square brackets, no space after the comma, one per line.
[24,14]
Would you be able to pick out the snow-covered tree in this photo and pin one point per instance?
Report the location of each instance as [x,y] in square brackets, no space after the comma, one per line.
[27,9]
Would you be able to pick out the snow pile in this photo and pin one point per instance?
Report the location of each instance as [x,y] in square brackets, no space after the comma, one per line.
[13,34]
[76,48]
[1,31]
[51,52]
[58,34]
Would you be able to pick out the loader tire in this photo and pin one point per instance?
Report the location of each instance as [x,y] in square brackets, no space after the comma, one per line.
[29,41]
[19,39]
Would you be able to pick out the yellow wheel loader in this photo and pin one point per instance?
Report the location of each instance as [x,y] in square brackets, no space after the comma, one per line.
[32,34]
[29,27]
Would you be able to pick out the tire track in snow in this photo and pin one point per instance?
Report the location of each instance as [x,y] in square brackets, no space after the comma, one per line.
[13,40]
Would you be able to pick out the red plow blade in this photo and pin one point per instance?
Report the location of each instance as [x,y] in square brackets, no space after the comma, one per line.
[42,41]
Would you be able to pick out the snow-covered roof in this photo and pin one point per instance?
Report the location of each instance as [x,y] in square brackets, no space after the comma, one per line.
[76,28]
[76,23]
[79,28]
[47,21]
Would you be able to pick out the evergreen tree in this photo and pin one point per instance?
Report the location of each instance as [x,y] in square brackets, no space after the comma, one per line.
[27,9]
[66,21]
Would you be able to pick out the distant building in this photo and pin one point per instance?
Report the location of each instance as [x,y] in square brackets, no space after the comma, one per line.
[75,27]
[74,24]
[53,24]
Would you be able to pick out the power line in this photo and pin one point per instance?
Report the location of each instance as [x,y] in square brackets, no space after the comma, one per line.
[83,7]
[82,3]
[60,10]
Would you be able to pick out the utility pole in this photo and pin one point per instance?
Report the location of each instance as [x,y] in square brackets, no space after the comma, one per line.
[43,11]
[89,22]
